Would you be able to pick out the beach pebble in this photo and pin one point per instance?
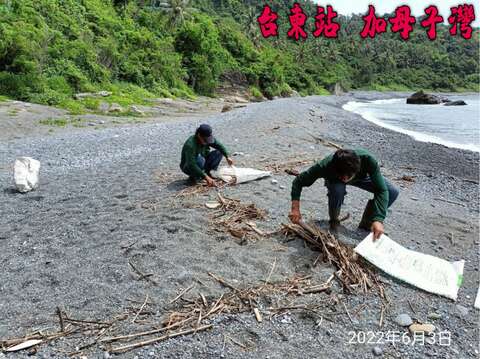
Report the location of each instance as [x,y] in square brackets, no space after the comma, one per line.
[422,328]
[461,310]
[282,187]
[434,316]
[377,351]
[274,181]
[106,355]
[435,242]
[403,320]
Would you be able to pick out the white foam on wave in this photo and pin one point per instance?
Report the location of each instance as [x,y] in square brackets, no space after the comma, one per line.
[361,108]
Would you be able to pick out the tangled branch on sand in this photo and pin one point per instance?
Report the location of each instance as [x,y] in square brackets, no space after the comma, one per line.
[198,189]
[245,300]
[353,271]
[287,166]
[69,328]
[190,317]
[236,218]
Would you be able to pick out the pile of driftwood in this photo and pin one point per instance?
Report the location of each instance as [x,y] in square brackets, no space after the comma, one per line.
[236,218]
[82,330]
[352,271]
[189,317]
[249,299]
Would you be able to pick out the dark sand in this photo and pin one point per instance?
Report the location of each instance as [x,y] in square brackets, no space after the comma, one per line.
[61,244]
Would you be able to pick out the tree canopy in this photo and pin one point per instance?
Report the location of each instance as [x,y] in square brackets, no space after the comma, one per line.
[51,49]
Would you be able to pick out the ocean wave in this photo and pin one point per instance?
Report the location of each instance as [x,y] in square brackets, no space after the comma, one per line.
[361,108]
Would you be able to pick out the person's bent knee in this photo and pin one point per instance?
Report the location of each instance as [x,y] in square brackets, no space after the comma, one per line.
[393,194]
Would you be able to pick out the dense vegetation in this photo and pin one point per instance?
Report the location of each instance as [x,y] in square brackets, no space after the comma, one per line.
[52,49]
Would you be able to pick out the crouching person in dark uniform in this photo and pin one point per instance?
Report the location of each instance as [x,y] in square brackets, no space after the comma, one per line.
[197,160]
[354,168]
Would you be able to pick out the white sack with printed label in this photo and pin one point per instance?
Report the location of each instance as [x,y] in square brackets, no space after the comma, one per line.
[432,274]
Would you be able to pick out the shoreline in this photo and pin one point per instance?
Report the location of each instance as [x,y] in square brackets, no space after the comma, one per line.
[62,244]
[418,136]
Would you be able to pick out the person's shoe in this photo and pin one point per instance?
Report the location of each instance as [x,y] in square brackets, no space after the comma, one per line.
[334,224]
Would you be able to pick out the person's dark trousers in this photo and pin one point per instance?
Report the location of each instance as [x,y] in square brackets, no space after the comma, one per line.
[337,191]
[210,163]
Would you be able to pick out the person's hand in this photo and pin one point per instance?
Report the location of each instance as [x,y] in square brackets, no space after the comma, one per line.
[229,161]
[295,215]
[210,181]
[377,229]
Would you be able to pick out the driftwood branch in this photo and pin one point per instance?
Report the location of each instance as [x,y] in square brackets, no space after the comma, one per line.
[126,348]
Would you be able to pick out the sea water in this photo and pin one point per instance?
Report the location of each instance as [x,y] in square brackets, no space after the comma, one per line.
[451,126]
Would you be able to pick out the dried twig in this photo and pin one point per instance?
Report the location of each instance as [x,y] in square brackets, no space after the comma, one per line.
[448,201]
[141,275]
[126,348]
[382,312]
[271,270]
[258,315]
[60,319]
[141,308]
[348,313]
[183,292]
[222,281]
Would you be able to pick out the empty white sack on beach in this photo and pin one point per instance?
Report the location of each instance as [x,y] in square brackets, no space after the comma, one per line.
[238,174]
[432,274]
[25,174]
[477,299]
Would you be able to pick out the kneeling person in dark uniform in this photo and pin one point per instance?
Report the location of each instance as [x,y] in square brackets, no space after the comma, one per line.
[197,159]
[348,167]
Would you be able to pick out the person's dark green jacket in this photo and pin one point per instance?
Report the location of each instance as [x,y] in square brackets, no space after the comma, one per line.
[369,167]
[190,151]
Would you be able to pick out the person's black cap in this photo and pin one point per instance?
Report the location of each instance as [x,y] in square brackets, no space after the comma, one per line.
[206,132]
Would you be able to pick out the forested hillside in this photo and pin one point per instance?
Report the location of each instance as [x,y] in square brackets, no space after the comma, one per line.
[52,49]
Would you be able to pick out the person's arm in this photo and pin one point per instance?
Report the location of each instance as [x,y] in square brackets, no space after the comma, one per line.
[380,198]
[220,146]
[191,162]
[305,179]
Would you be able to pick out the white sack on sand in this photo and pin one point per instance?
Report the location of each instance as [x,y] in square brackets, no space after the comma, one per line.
[25,174]
[238,174]
[477,300]
[432,274]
